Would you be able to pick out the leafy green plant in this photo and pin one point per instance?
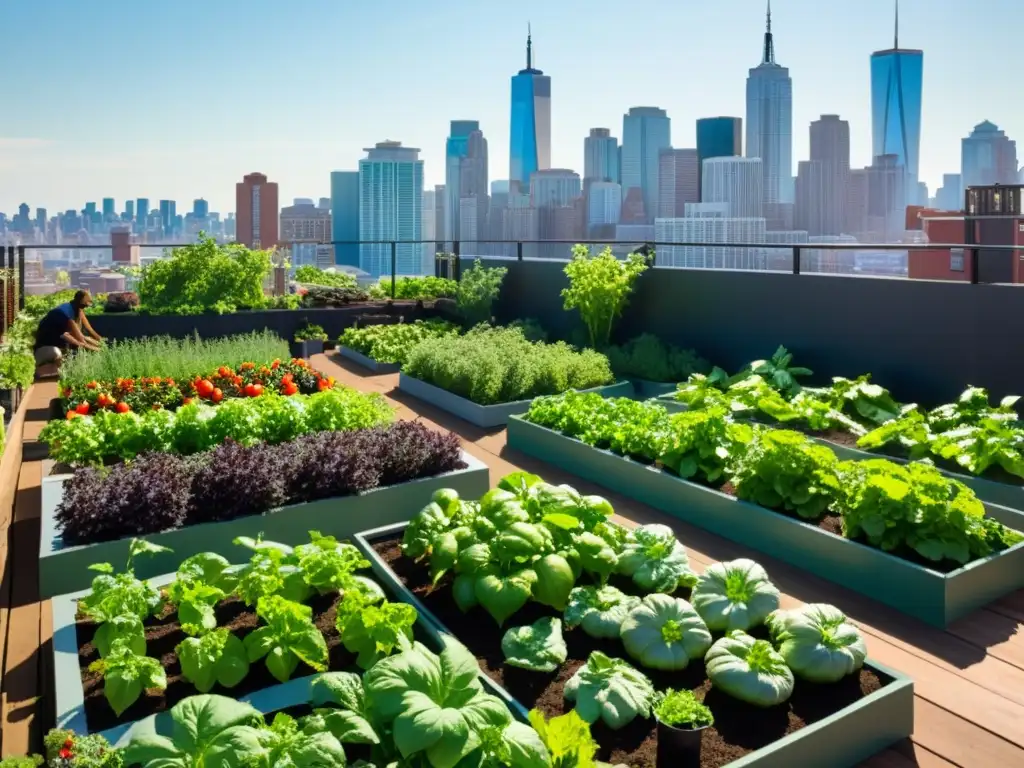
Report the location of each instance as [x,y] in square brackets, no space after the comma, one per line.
[122,595]
[328,565]
[599,287]
[682,709]
[600,611]
[414,288]
[778,371]
[288,637]
[392,343]
[567,738]
[315,276]
[703,444]
[734,595]
[218,657]
[126,674]
[610,690]
[66,749]
[749,670]
[311,332]
[539,647]
[478,290]
[817,642]
[664,632]
[17,369]
[648,357]
[655,559]
[373,631]
[271,571]
[26,761]
[287,744]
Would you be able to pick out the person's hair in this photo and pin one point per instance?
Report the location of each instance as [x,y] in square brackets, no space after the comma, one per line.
[79,299]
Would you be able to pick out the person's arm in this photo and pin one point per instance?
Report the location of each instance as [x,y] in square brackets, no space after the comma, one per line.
[88,326]
[74,335]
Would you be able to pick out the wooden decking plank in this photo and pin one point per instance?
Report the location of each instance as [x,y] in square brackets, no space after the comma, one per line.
[946,734]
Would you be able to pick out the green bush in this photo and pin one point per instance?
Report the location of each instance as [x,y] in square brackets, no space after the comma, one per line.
[205,276]
[17,369]
[316,276]
[311,332]
[393,343]
[414,288]
[648,357]
[599,287]
[477,292]
[498,365]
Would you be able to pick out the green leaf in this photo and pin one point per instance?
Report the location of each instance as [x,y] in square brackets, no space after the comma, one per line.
[538,646]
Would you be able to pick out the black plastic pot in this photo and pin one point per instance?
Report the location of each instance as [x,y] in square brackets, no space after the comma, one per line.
[679,747]
[306,348]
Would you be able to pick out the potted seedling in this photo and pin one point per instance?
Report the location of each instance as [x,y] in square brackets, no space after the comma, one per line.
[309,340]
[682,720]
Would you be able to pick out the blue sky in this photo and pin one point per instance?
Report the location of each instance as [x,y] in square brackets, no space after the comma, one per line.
[180,98]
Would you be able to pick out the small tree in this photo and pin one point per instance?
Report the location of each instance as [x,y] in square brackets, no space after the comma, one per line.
[477,291]
[599,287]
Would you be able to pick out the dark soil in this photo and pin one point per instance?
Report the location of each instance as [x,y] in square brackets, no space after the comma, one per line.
[163,633]
[739,728]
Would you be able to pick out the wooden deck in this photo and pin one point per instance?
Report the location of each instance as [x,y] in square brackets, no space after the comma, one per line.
[969,679]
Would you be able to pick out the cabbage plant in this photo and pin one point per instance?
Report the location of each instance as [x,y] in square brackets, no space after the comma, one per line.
[611,690]
[539,646]
[664,632]
[655,559]
[599,610]
[734,595]
[818,642]
[749,670]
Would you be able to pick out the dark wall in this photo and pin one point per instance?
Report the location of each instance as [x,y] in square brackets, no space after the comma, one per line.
[924,340]
[282,321]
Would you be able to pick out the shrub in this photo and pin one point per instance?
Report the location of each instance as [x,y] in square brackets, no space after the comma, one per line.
[599,287]
[17,369]
[149,495]
[392,343]
[415,288]
[311,332]
[648,357]
[121,301]
[315,276]
[498,365]
[478,289]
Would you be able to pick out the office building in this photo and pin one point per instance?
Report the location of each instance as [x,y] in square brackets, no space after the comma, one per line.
[109,208]
[256,211]
[950,196]
[887,199]
[554,187]
[200,209]
[600,156]
[734,180]
[141,212]
[821,182]
[553,194]
[325,203]
[770,121]
[465,178]
[305,223]
[677,181]
[428,232]
[856,213]
[530,136]
[604,203]
[345,217]
[718,137]
[896,91]
[390,208]
[129,210]
[168,213]
[988,157]
[710,227]
[645,132]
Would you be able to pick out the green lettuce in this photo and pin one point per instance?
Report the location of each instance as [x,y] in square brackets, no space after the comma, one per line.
[539,646]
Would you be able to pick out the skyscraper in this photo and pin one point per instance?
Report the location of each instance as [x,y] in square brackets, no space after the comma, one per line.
[950,196]
[109,208]
[718,137]
[390,208]
[142,211]
[737,181]
[896,89]
[988,157]
[428,231]
[770,121]
[645,132]
[600,156]
[530,137]
[677,181]
[345,217]
[200,209]
[821,182]
[129,210]
[167,213]
[465,178]
[256,211]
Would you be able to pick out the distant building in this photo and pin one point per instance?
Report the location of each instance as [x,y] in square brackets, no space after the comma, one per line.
[821,184]
[600,156]
[530,136]
[305,223]
[200,209]
[553,194]
[604,203]
[345,217]
[737,181]
[428,232]
[645,132]
[887,196]
[856,214]
[988,157]
[256,211]
[711,227]
[390,208]
[168,213]
[678,180]
[770,121]
[950,196]
[465,178]
[718,137]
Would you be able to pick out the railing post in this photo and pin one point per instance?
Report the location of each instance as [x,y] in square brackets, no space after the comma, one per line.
[519,250]
[394,266]
[458,260]
[974,266]
[7,262]
[21,277]
[796,259]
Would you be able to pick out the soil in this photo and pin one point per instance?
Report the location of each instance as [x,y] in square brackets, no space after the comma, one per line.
[739,728]
[163,633]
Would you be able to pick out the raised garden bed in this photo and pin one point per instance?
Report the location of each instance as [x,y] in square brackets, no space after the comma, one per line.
[487,416]
[66,569]
[1004,501]
[82,707]
[838,725]
[368,362]
[646,389]
[936,597]
[306,349]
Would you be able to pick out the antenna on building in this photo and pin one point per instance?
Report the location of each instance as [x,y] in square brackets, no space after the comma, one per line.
[896,33]
[529,46]
[769,47]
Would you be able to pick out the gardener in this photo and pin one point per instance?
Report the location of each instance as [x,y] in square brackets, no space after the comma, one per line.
[61,329]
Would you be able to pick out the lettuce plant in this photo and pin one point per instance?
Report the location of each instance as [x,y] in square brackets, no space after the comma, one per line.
[567,739]
[434,703]
[817,642]
[610,690]
[126,630]
[268,573]
[328,565]
[374,631]
[703,444]
[217,657]
[664,632]
[655,559]
[734,595]
[539,647]
[115,595]
[126,674]
[207,731]
[681,709]
[287,745]
[600,611]
[749,670]
[288,637]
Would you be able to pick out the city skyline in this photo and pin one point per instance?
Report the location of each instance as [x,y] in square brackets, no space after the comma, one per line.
[61,163]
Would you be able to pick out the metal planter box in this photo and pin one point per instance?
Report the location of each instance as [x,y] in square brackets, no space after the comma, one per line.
[1003,502]
[368,362]
[66,569]
[646,389]
[934,597]
[487,416]
[307,348]
[842,740]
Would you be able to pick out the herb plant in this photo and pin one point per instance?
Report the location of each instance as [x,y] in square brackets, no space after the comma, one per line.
[316,276]
[477,291]
[599,287]
[682,709]
[311,332]
[392,343]
[126,674]
[414,288]
[648,357]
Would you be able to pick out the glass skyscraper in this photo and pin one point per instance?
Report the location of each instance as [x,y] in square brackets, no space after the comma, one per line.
[718,137]
[530,136]
[770,121]
[390,208]
[345,217]
[645,132]
[897,77]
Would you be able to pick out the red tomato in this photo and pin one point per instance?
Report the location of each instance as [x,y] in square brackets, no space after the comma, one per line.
[217,395]
[321,384]
[82,409]
[276,364]
[253,390]
[224,371]
[91,385]
[187,400]
[204,388]
[72,415]
[289,388]
[122,407]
